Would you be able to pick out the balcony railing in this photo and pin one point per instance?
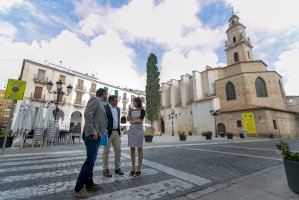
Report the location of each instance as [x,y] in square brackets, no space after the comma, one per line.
[42,98]
[80,88]
[92,90]
[40,79]
[79,103]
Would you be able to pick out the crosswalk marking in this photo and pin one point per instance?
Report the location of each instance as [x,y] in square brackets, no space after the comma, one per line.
[50,174]
[37,157]
[45,166]
[197,180]
[148,192]
[46,189]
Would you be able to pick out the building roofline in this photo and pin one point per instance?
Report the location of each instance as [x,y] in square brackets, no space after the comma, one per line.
[248,73]
[80,74]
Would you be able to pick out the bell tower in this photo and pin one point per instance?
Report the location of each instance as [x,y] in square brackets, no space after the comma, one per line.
[238,47]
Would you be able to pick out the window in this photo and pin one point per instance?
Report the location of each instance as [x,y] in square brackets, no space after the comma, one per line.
[239,123]
[80,84]
[60,97]
[38,92]
[116,93]
[106,89]
[41,74]
[93,87]
[78,98]
[132,98]
[248,53]
[274,124]
[124,106]
[236,57]
[142,99]
[230,91]
[234,39]
[62,79]
[260,87]
[124,96]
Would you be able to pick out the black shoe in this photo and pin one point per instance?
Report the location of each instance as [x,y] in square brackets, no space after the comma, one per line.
[131,173]
[94,187]
[138,173]
[119,172]
[107,173]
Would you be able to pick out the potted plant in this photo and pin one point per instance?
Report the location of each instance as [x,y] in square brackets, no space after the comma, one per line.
[190,133]
[207,134]
[291,165]
[229,135]
[182,135]
[148,135]
[9,138]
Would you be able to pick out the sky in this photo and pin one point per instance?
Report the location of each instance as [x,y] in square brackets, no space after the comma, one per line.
[112,39]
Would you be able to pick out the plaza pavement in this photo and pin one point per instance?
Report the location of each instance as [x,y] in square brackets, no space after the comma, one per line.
[195,169]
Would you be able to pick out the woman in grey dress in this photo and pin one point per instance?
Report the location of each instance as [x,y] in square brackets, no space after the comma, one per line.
[135,134]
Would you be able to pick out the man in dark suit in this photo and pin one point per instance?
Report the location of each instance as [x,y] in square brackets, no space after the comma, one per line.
[113,116]
[95,125]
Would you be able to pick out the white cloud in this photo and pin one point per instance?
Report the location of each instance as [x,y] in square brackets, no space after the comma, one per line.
[106,55]
[268,15]
[287,66]
[7,31]
[175,63]
[172,23]
[5,5]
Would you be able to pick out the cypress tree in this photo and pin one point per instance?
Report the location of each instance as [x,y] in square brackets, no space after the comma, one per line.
[153,96]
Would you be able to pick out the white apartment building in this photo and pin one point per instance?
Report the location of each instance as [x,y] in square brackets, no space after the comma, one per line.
[71,107]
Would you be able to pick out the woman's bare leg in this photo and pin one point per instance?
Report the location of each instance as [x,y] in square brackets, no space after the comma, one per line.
[133,158]
[140,158]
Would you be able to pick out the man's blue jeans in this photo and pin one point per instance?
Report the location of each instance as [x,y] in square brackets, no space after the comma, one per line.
[86,173]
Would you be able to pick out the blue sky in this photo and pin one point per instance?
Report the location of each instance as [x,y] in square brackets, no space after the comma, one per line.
[115,37]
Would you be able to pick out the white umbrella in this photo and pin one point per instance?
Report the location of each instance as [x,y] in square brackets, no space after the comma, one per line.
[49,116]
[30,117]
[39,117]
[19,122]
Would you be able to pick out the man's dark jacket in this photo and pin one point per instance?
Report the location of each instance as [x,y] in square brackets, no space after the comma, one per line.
[110,119]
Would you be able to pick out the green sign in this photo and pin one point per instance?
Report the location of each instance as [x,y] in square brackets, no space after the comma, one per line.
[15,89]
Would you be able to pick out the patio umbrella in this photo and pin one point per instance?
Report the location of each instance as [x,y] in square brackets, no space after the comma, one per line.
[29,117]
[49,116]
[19,122]
[39,117]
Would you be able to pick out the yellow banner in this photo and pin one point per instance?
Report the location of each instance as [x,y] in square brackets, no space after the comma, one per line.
[15,89]
[249,122]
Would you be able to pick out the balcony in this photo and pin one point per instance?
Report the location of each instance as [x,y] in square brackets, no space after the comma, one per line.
[79,103]
[41,99]
[92,91]
[80,88]
[40,79]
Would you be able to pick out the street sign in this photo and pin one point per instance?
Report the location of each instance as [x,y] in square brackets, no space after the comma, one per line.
[15,89]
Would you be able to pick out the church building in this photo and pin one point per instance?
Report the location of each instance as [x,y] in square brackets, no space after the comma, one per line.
[245,94]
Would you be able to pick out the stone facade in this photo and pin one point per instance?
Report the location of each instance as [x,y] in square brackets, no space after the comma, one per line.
[243,88]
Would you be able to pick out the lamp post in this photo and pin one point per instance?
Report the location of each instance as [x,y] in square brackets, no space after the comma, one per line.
[171,116]
[59,92]
[215,113]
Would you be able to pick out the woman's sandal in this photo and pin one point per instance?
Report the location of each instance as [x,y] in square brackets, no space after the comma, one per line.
[132,173]
[138,173]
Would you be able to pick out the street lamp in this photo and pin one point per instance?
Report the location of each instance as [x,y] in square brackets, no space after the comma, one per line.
[59,91]
[171,116]
[215,113]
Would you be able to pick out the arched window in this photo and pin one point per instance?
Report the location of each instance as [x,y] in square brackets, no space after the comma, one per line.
[230,91]
[234,39]
[260,87]
[236,57]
